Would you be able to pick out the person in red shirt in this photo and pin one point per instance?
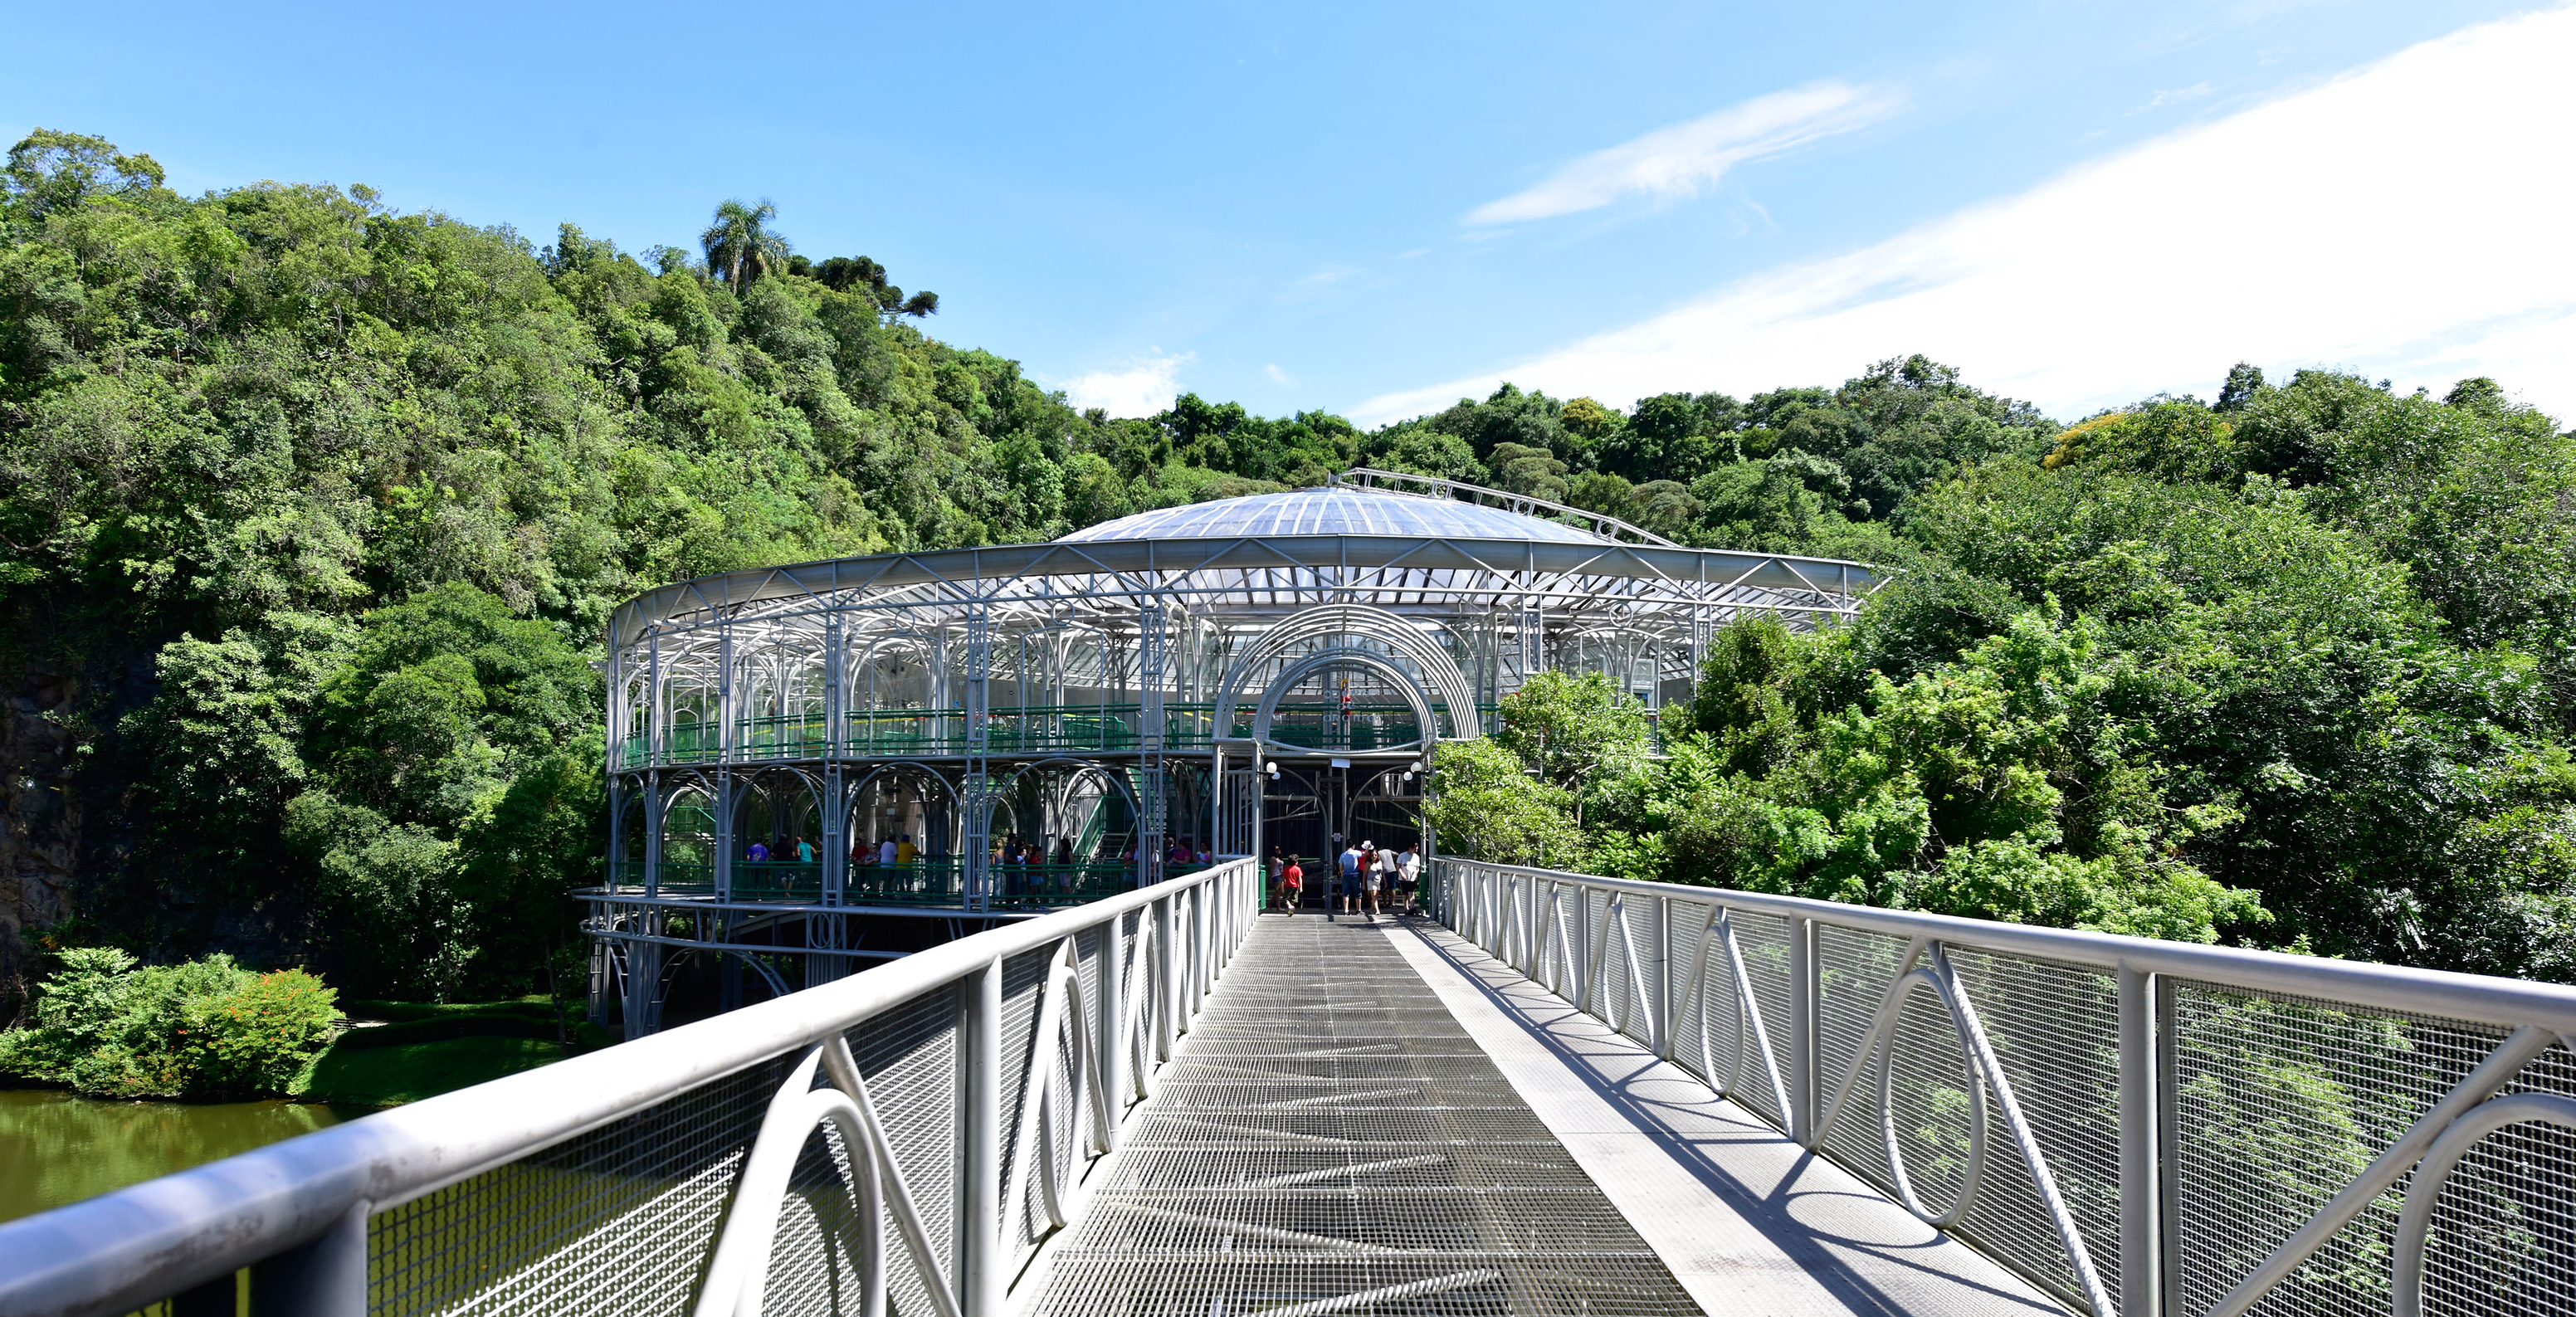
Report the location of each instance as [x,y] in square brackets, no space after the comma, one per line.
[1292,886]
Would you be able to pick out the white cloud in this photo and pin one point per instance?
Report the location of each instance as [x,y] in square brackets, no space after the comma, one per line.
[2407,220]
[1682,159]
[2173,96]
[1278,376]
[1142,388]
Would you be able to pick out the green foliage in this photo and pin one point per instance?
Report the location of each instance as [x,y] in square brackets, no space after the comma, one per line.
[208,1028]
[321,508]
[1487,807]
[1580,734]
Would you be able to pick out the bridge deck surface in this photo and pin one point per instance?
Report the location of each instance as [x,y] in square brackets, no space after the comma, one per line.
[1336,1135]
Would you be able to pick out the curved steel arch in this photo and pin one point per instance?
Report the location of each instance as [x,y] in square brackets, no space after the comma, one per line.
[1079,765]
[1339,655]
[1457,697]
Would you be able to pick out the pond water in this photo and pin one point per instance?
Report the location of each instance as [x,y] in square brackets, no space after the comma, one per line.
[56,1148]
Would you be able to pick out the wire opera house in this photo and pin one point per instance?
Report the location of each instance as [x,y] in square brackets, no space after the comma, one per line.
[816,766]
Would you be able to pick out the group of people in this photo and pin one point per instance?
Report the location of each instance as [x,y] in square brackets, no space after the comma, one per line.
[1017,850]
[795,850]
[897,849]
[1355,881]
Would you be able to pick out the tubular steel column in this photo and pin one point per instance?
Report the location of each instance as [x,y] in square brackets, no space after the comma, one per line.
[2166,1040]
[1152,795]
[728,745]
[322,1277]
[1164,976]
[1105,1034]
[977,795]
[1802,1031]
[1661,982]
[983,1279]
[2138,1172]
[724,803]
[1216,833]
[836,804]
[656,743]
[617,790]
[653,833]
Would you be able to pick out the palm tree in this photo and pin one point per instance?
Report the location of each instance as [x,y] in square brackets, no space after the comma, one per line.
[741,245]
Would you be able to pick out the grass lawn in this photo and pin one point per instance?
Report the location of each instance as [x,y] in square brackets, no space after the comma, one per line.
[383,1076]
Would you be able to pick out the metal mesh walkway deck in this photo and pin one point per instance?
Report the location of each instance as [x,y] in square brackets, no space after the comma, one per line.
[1330,1140]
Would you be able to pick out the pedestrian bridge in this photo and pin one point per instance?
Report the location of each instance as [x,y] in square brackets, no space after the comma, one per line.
[1557,1094]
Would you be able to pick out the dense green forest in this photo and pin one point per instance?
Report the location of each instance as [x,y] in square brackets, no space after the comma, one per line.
[313,511]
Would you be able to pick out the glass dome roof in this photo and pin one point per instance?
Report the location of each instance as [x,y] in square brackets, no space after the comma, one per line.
[1334,510]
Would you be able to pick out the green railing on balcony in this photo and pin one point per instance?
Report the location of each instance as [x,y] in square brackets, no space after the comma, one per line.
[922,882]
[1029,729]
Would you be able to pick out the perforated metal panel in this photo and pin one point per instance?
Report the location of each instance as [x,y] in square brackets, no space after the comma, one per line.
[1330,1140]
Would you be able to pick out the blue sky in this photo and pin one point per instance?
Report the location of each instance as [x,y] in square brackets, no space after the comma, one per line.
[1371,209]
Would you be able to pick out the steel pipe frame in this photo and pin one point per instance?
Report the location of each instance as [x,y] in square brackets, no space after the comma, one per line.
[297,1210]
[1574,573]
[787,643]
[1477,899]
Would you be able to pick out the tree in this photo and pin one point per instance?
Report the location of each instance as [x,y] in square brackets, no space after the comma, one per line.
[1580,734]
[741,245]
[844,273]
[50,171]
[1484,806]
[2244,381]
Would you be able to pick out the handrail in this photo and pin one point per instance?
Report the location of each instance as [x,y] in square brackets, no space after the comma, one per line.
[2034,1017]
[1603,524]
[144,1243]
[2479,997]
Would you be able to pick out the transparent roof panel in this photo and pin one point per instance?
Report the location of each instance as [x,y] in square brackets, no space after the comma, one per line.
[1334,510]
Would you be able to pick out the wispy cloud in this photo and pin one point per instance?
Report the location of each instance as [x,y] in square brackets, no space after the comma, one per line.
[1141,388]
[2113,281]
[2174,95]
[1684,158]
[1279,377]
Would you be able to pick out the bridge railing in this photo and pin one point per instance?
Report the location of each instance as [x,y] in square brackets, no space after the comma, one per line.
[2139,1127]
[906,1135]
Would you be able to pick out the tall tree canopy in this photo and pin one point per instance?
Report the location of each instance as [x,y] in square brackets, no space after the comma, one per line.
[311,513]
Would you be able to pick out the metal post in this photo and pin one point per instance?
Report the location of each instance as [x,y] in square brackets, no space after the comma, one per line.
[1105,1036]
[2168,1113]
[322,1277]
[616,827]
[1660,983]
[2138,1297]
[836,802]
[723,875]
[657,731]
[1153,792]
[1199,968]
[983,1279]
[602,974]
[1164,963]
[976,869]
[1802,1031]
[1582,944]
[653,804]
[643,981]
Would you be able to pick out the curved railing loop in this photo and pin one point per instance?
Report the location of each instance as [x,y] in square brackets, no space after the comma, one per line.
[2406,1298]
[738,1273]
[1973,1170]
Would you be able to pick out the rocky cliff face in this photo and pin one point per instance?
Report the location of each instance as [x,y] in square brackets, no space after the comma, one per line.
[41,801]
[65,807]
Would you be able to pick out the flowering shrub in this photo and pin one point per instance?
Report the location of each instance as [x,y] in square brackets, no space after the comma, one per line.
[209,1028]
